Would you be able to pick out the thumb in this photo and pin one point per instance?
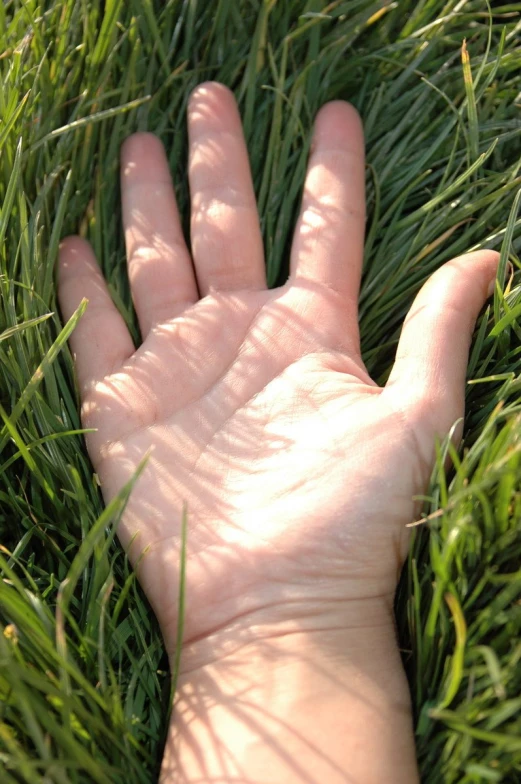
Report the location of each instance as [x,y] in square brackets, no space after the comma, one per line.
[428,377]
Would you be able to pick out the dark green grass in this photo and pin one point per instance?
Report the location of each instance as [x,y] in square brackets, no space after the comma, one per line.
[84,686]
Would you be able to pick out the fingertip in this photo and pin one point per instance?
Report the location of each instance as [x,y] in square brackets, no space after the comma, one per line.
[140,139]
[336,121]
[212,107]
[72,251]
[490,261]
[485,257]
[482,265]
[142,155]
[72,243]
[210,90]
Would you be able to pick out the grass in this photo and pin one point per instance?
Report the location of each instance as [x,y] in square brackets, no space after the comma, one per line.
[84,685]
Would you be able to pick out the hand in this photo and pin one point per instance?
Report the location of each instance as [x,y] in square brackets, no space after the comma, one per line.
[298,471]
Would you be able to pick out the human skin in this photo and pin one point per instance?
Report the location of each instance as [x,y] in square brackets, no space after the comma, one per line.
[297,471]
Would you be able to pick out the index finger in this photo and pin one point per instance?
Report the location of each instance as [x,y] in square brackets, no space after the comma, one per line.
[328,244]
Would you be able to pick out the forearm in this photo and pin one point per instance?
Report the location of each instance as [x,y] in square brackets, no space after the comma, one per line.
[296,709]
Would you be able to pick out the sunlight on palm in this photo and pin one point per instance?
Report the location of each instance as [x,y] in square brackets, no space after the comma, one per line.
[298,471]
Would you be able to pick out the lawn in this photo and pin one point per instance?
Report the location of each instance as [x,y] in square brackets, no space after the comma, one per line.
[84,682]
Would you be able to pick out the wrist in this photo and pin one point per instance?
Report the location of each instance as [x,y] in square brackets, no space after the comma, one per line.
[316,622]
[313,705]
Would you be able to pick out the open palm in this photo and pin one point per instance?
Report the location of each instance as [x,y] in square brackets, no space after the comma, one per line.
[297,470]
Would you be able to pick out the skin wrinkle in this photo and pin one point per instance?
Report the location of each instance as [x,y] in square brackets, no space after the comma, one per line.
[271,633]
[215,384]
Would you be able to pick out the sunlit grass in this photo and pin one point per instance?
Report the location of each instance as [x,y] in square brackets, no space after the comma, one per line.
[84,684]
